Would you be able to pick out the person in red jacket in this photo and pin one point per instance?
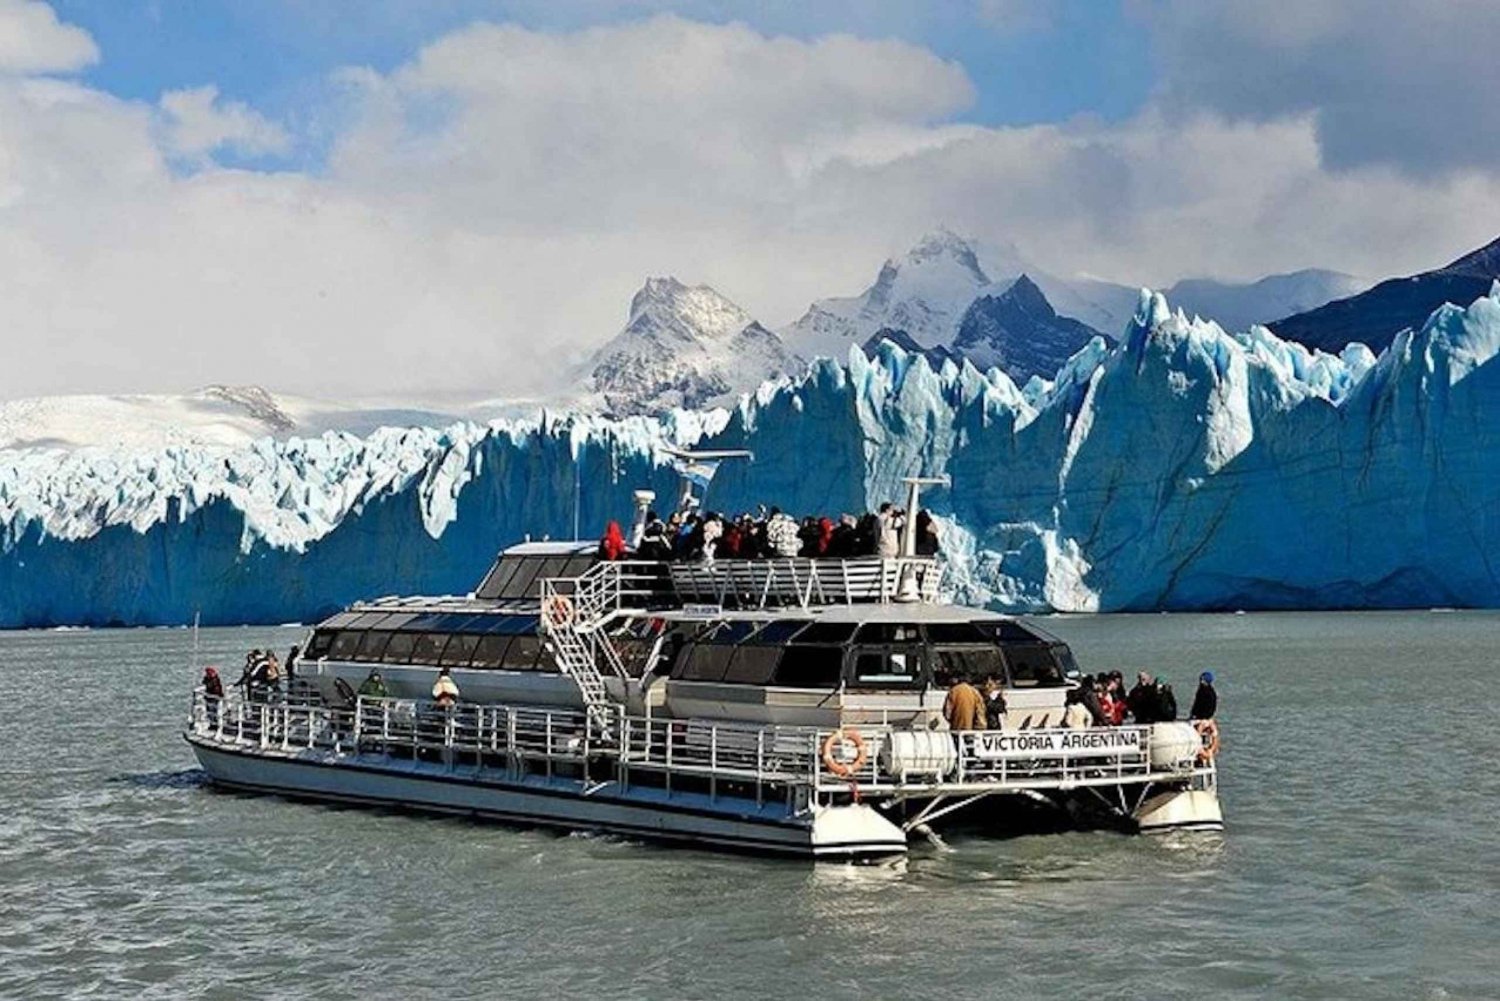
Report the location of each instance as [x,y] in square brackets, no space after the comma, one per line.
[612,546]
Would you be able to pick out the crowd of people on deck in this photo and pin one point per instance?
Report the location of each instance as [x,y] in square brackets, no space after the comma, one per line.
[1098,700]
[772,534]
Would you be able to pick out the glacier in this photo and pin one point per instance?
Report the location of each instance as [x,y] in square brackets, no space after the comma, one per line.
[1183,467]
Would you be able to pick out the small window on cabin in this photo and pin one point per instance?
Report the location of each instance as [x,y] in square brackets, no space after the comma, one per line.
[954,632]
[1032,665]
[367,620]
[398,650]
[344,644]
[495,585]
[459,649]
[576,566]
[827,632]
[971,664]
[752,665]
[490,652]
[1005,631]
[733,632]
[519,585]
[371,647]
[318,646]
[341,620]
[776,633]
[819,667]
[888,666]
[522,655]
[428,648]
[552,568]
[887,632]
[1066,660]
[706,662]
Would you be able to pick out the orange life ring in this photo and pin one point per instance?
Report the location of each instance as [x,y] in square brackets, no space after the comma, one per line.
[558,611]
[1208,732]
[834,762]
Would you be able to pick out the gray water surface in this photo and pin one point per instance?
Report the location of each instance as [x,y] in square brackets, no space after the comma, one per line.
[1362,858]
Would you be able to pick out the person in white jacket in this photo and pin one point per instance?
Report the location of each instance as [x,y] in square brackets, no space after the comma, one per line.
[890,522]
[781,533]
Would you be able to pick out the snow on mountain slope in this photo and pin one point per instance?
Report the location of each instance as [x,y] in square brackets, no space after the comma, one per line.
[214,415]
[1182,467]
[684,346]
[1238,306]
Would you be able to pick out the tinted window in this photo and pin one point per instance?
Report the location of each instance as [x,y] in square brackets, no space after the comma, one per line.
[499,579]
[552,568]
[734,632]
[519,586]
[372,645]
[776,633]
[428,647]
[1032,664]
[887,632]
[523,651]
[705,662]
[398,650]
[1065,659]
[344,644]
[577,566]
[1006,631]
[810,667]
[459,649]
[827,632]
[973,664]
[319,644]
[341,620]
[954,632]
[752,665]
[517,625]
[900,666]
[490,652]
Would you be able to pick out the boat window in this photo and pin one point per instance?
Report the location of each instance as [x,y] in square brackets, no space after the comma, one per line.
[971,664]
[828,632]
[491,651]
[776,633]
[899,666]
[734,632]
[887,632]
[344,644]
[1032,665]
[519,586]
[459,649]
[1006,631]
[705,662]
[1066,660]
[341,620]
[372,645]
[810,667]
[367,620]
[551,568]
[397,620]
[318,646]
[752,665]
[495,584]
[954,632]
[398,650]
[428,647]
[577,566]
[522,655]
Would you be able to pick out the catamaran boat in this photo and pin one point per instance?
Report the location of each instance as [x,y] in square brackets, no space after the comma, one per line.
[782,705]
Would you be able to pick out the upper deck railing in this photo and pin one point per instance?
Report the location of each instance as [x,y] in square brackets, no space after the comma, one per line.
[775,760]
[803,582]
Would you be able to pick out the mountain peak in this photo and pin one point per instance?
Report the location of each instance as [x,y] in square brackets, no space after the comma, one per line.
[943,245]
[1027,297]
[690,311]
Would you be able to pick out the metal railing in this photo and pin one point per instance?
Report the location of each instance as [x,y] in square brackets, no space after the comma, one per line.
[804,582]
[774,760]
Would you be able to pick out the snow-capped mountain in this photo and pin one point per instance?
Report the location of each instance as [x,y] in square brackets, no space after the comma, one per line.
[923,293]
[1019,333]
[1239,306]
[684,346]
[1153,473]
[231,416]
[1374,317]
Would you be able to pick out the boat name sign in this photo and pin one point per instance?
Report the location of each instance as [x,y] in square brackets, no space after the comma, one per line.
[1087,743]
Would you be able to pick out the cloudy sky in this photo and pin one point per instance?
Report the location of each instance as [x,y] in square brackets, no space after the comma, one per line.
[438,199]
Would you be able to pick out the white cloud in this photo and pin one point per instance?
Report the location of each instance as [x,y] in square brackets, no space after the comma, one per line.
[32,40]
[197,123]
[494,202]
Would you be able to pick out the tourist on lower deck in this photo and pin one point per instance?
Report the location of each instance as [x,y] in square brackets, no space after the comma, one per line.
[1142,700]
[964,707]
[292,657]
[1206,699]
[213,694]
[373,686]
[1088,695]
[445,689]
[1075,714]
[994,704]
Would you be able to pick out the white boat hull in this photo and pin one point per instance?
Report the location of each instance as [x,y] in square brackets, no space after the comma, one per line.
[841,832]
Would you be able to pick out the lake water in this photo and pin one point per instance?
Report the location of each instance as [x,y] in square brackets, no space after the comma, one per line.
[1361,860]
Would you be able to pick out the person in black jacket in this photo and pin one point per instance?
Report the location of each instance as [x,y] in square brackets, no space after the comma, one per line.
[1090,699]
[1142,699]
[1206,700]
